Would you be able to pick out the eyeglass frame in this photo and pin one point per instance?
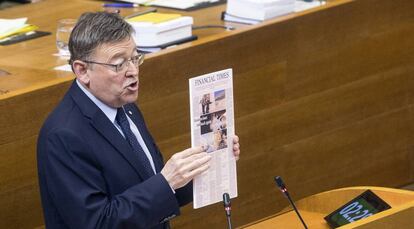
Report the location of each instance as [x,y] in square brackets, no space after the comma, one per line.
[139,57]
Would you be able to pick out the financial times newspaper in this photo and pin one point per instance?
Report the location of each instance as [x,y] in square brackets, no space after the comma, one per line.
[212,126]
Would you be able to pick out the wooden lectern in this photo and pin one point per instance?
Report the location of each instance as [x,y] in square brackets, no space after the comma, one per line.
[314,208]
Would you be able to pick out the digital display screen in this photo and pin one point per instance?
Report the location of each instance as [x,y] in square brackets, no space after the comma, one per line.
[362,206]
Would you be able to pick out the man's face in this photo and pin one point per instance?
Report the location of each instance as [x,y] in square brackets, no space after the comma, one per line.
[114,88]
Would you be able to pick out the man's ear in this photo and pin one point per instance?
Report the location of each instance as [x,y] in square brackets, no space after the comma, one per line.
[80,69]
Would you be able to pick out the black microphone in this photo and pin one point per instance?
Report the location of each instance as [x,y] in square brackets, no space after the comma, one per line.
[227,208]
[284,190]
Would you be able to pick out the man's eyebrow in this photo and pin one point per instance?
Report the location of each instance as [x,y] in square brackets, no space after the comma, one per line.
[117,55]
[123,54]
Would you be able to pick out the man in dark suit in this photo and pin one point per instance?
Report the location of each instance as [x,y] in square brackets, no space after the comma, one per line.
[98,165]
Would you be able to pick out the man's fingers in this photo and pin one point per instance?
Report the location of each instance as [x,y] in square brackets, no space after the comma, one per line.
[198,170]
[188,152]
[195,161]
[236,147]
[235,139]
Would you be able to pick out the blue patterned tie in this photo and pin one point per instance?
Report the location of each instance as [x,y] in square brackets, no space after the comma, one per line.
[132,140]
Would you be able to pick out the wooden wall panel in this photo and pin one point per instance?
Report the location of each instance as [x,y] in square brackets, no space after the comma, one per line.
[19,194]
[321,153]
[19,190]
[324,99]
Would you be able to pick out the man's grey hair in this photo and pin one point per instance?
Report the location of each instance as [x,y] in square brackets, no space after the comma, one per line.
[94,29]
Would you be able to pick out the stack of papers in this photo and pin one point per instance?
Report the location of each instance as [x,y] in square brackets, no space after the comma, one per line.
[14,27]
[157,30]
[301,5]
[256,11]
[177,4]
[259,9]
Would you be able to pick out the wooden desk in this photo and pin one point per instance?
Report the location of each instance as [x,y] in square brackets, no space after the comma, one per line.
[323,98]
[314,208]
[38,54]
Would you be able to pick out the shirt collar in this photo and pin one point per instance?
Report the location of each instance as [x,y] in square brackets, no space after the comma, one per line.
[110,112]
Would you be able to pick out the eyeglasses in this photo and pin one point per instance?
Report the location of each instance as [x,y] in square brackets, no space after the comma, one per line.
[135,60]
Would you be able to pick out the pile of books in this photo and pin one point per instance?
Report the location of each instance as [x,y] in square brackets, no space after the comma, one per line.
[255,11]
[11,29]
[186,5]
[155,31]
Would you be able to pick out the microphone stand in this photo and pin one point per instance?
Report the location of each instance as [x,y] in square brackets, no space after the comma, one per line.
[296,210]
[227,208]
[284,190]
[229,222]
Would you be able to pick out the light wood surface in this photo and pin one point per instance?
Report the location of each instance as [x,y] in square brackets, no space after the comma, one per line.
[290,220]
[323,98]
[314,208]
[38,54]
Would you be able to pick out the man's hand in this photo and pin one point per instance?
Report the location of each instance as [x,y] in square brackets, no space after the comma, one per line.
[236,147]
[184,166]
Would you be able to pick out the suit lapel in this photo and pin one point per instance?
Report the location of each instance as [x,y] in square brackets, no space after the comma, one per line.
[106,128]
[136,117]
[112,135]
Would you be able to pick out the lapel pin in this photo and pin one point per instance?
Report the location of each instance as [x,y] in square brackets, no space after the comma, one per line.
[130,112]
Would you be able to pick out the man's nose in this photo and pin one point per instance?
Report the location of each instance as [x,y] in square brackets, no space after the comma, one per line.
[132,69]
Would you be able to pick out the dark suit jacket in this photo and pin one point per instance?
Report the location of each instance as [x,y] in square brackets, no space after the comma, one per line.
[89,177]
